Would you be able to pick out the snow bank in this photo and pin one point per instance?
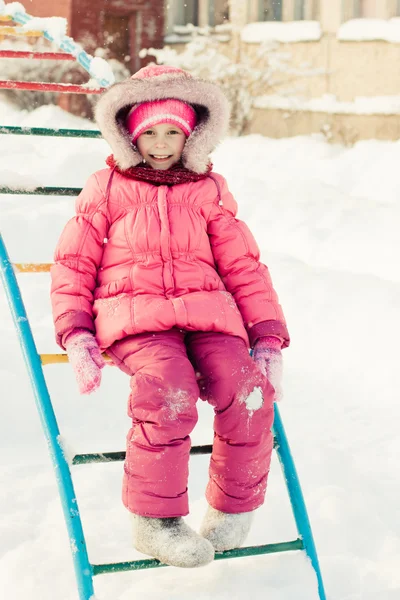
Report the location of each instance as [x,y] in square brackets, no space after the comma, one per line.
[366,30]
[328,103]
[295,31]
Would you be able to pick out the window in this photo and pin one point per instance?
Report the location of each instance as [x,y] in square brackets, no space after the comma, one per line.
[182,12]
[368,9]
[357,9]
[299,10]
[218,12]
[196,12]
[306,10]
[190,11]
[351,9]
[270,10]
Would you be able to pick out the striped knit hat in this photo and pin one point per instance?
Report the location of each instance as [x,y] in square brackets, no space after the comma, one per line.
[144,116]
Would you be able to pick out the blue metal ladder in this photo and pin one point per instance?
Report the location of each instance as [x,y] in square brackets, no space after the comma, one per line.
[84,570]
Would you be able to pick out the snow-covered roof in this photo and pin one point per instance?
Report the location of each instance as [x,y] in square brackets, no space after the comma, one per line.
[292,31]
[358,30]
[328,103]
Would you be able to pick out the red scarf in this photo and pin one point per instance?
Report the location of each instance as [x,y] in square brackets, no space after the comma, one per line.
[172,176]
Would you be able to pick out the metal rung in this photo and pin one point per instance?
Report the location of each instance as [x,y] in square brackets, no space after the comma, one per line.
[51,359]
[36,55]
[105,457]
[18,31]
[42,191]
[46,131]
[32,267]
[38,86]
[136,565]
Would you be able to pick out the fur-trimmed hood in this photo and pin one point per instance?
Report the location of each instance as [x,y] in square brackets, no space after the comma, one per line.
[155,83]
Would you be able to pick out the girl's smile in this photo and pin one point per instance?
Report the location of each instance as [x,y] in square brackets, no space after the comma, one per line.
[161,145]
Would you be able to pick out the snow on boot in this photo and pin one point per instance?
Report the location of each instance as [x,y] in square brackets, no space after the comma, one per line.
[171,541]
[225,530]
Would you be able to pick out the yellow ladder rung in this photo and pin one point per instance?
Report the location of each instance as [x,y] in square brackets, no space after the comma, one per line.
[32,267]
[8,30]
[5,18]
[51,359]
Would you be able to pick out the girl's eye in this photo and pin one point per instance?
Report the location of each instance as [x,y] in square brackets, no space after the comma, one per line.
[173,131]
[149,132]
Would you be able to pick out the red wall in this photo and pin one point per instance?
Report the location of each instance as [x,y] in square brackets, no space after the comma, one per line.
[48,8]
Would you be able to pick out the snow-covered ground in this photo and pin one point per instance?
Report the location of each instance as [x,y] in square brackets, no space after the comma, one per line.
[327,220]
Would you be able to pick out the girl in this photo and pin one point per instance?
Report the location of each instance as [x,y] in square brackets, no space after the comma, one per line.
[156,269]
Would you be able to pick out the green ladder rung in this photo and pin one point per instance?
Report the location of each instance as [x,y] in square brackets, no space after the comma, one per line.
[42,191]
[136,565]
[105,457]
[45,131]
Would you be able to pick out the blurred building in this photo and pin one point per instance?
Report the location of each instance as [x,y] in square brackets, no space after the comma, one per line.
[331,13]
[121,28]
[341,75]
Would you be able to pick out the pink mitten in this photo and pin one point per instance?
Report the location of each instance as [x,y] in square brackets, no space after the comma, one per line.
[85,358]
[268,357]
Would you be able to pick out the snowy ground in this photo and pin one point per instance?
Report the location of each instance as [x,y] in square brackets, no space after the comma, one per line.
[327,220]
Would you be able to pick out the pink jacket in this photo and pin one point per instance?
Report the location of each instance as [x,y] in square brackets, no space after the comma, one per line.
[151,258]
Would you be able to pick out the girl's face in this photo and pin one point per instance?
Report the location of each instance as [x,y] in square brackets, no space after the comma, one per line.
[161,146]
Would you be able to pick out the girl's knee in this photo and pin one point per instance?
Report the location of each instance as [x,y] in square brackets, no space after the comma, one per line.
[165,403]
[247,416]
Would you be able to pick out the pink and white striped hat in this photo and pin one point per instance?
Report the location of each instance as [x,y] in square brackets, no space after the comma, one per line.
[147,114]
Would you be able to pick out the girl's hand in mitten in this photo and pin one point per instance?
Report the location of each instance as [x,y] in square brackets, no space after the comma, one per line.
[85,358]
[268,357]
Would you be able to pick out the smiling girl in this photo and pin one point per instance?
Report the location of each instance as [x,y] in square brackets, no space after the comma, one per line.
[156,269]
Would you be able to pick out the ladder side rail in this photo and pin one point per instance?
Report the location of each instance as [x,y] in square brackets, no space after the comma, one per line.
[296,497]
[82,566]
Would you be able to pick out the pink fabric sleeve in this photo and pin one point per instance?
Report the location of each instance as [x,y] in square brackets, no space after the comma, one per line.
[269,328]
[73,321]
[77,258]
[238,262]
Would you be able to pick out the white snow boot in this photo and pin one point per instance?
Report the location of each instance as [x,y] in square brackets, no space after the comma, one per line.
[224,530]
[171,541]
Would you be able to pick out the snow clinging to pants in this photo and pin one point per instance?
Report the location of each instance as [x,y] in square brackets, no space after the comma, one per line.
[254,400]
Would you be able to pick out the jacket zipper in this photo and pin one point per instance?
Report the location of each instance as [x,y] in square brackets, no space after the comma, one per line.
[165,241]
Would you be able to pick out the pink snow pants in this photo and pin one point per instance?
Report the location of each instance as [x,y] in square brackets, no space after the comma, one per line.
[169,371]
